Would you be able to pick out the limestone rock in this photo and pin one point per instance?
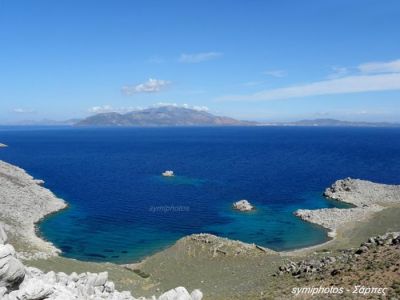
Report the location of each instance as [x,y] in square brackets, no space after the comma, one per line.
[243,205]
[3,236]
[168,173]
[12,272]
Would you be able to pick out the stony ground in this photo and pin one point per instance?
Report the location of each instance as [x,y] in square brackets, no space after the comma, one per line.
[18,282]
[375,264]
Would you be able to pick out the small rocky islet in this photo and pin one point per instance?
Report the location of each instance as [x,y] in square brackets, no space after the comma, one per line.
[243,205]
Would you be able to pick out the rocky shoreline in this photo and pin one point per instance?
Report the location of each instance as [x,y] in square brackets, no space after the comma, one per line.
[24,202]
[19,282]
[366,197]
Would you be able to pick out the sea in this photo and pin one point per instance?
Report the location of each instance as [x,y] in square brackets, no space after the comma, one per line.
[121,209]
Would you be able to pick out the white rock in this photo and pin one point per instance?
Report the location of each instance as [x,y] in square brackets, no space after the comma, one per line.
[168,173]
[243,205]
[34,289]
[196,295]
[12,271]
[3,236]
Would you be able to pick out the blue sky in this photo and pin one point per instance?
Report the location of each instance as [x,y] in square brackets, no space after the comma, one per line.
[261,60]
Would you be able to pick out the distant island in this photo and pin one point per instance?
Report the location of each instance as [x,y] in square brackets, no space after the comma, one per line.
[161,116]
[170,116]
[331,123]
[179,116]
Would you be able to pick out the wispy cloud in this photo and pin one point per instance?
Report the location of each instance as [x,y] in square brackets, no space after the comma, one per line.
[150,86]
[275,73]
[109,108]
[371,77]
[198,57]
[338,72]
[23,111]
[194,107]
[380,67]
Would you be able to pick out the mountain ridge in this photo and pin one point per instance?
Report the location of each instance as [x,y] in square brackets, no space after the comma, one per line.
[161,116]
[331,123]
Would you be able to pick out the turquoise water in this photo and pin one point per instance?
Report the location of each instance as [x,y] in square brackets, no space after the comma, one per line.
[122,209]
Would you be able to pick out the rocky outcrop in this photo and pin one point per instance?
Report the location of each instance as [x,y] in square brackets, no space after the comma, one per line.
[310,267]
[243,205]
[304,267]
[366,197]
[219,246]
[18,282]
[24,202]
[363,193]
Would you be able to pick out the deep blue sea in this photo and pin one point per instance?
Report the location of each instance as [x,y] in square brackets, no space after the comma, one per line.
[122,209]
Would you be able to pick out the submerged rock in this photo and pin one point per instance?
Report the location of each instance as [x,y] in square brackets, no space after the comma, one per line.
[243,205]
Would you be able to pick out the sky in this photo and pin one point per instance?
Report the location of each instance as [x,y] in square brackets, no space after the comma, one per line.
[256,60]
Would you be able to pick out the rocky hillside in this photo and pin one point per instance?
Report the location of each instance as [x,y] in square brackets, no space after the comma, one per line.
[18,282]
[161,116]
[371,271]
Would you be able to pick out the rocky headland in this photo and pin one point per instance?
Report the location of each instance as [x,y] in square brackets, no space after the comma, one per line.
[23,203]
[366,197]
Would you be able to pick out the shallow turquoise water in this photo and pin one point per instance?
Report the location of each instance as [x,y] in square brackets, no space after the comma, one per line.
[122,209]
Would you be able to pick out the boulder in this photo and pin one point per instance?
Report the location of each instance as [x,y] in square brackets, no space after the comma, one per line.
[12,271]
[35,289]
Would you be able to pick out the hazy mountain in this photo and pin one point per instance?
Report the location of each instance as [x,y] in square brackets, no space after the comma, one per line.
[161,116]
[44,122]
[333,123]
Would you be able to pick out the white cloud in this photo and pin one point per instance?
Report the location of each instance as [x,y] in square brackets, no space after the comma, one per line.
[108,108]
[23,111]
[198,57]
[367,77]
[194,107]
[150,86]
[344,85]
[380,67]
[276,73]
